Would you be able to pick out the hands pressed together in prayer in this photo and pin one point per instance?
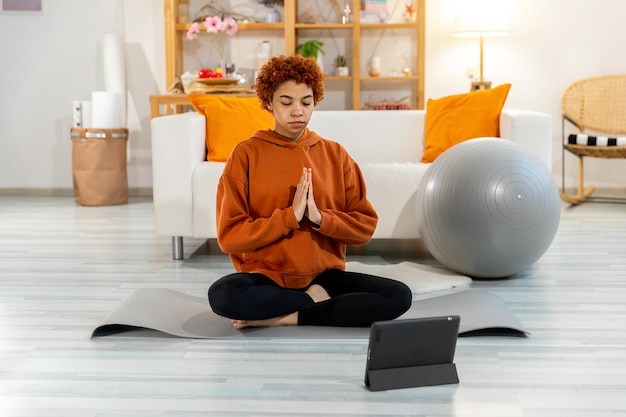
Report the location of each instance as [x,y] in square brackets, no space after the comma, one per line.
[304,201]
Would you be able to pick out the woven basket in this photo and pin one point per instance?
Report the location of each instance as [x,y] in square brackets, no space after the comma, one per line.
[99,166]
[388,105]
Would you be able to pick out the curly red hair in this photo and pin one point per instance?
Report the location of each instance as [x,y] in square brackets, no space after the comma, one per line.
[280,69]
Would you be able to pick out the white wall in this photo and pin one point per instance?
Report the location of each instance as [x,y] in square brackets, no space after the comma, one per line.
[551,44]
[48,60]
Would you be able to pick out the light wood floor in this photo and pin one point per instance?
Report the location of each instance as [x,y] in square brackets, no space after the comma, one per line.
[64,267]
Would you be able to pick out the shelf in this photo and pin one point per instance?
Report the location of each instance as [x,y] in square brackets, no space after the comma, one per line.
[356,38]
[184,27]
[392,79]
[406,25]
[344,26]
[335,78]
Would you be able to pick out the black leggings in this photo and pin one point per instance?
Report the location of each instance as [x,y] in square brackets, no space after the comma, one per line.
[357,300]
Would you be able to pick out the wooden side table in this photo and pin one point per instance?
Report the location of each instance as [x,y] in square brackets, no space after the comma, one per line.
[166,104]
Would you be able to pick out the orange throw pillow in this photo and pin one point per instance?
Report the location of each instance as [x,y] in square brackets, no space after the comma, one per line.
[229,120]
[454,119]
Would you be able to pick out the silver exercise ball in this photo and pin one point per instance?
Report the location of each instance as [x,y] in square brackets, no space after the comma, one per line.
[487,208]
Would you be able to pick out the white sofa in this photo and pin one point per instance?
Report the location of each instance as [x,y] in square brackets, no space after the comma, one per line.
[388,146]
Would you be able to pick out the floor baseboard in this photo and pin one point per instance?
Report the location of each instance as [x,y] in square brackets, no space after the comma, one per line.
[64,192]
[147,192]
[608,192]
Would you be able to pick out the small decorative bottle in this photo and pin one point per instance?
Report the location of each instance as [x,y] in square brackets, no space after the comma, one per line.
[347,14]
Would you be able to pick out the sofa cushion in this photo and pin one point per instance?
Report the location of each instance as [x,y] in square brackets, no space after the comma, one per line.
[374,136]
[229,120]
[453,119]
[392,190]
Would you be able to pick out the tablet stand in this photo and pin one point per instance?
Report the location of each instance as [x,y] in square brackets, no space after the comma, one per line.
[412,376]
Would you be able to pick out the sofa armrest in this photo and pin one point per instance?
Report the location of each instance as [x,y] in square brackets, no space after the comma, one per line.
[531,129]
[178,146]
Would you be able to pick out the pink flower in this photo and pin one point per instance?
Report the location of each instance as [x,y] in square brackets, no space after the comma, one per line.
[193,31]
[220,28]
[213,24]
[230,26]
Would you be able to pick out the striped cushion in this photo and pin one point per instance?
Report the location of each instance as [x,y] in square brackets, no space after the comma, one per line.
[582,139]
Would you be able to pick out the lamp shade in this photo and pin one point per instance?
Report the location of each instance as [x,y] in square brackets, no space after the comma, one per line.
[487,18]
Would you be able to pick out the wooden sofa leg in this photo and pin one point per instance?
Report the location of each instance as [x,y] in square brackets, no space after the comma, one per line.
[177,247]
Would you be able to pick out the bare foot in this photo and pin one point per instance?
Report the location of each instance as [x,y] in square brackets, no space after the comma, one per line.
[317,293]
[286,320]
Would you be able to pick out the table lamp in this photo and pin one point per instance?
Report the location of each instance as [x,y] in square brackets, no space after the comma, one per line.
[481,19]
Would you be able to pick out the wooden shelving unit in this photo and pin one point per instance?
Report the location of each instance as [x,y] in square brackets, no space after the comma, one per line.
[175,29]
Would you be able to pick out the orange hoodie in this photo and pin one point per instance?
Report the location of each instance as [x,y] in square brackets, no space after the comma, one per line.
[256,224]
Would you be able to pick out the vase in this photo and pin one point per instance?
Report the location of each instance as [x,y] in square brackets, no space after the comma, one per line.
[342,72]
[223,66]
[374,70]
[272,16]
[263,53]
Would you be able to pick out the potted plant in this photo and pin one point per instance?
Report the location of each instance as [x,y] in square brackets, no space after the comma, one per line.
[341,66]
[312,49]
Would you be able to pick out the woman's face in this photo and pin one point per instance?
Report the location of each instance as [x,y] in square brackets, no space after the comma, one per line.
[292,106]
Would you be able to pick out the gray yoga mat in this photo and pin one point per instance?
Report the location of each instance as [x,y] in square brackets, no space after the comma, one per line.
[184,315]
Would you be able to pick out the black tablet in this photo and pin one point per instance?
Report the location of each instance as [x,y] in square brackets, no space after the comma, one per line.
[412,352]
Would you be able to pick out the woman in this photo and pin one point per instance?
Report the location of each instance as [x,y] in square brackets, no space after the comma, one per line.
[288,203]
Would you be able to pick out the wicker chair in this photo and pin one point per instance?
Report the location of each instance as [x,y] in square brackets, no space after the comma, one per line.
[595,106]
